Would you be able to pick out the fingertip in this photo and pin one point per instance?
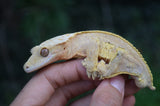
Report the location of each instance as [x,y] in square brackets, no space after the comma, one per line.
[109,92]
[118,83]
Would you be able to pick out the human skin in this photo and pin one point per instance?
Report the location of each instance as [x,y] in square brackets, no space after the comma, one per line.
[56,84]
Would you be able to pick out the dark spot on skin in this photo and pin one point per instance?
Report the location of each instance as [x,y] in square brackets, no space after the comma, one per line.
[44,52]
[64,48]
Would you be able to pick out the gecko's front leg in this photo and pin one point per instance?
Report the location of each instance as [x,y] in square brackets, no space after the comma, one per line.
[91,60]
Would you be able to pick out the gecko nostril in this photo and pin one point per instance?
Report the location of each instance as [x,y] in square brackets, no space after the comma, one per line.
[27,67]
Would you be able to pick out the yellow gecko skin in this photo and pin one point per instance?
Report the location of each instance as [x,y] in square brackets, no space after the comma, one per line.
[105,55]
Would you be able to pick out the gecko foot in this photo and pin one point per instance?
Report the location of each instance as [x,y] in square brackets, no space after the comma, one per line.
[99,72]
[92,75]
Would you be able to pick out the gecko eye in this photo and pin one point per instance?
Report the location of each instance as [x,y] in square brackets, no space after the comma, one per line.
[44,52]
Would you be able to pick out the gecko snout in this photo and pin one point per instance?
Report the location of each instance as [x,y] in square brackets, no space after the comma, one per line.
[26,68]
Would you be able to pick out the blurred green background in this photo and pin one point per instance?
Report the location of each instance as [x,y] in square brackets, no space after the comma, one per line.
[26,23]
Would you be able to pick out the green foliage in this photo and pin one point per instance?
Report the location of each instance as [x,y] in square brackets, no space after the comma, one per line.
[26,23]
[43,19]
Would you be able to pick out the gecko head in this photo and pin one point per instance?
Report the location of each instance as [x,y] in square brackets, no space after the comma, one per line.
[47,52]
[43,55]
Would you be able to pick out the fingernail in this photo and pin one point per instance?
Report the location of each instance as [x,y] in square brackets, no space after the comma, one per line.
[118,83]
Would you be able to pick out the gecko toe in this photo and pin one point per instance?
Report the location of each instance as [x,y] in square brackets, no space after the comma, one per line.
[88,74]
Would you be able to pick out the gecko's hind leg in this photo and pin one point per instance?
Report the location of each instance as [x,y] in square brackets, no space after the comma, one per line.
[142,79]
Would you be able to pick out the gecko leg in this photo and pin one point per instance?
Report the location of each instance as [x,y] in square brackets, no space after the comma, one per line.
[128,65]
[91,60]
[131,67]
[124,63]
[136,70]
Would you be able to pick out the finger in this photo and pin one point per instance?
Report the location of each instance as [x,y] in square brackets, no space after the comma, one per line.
[41,87]
[85,101]
[129,101]
[109,92]
[36,92]
[130,87]
[64,94]
[65,73]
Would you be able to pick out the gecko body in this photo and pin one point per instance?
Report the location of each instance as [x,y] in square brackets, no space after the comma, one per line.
[105,55]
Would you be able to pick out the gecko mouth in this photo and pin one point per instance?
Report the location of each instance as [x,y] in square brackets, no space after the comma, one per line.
[29,69]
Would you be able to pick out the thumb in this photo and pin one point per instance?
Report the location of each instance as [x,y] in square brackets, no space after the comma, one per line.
[109,93]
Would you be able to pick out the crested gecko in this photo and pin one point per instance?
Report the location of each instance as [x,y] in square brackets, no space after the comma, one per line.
[105,55]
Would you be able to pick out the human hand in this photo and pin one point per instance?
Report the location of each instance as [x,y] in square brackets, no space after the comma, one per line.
[56,84]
